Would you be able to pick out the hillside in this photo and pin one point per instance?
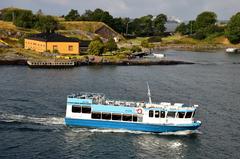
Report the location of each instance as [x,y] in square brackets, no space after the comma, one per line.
[86,29]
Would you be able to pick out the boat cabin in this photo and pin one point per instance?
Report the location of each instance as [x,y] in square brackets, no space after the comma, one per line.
[93,106]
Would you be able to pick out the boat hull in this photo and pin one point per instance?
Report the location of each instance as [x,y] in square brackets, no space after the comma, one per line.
[156,128]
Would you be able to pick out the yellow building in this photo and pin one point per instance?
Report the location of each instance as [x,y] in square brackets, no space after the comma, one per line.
[52,43]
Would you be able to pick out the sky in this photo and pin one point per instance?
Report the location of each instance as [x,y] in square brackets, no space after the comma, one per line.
[182,9]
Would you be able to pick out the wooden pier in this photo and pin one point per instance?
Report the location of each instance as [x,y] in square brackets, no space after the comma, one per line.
[50,63]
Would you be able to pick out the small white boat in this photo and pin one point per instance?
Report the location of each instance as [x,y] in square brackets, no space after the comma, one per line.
[158,55]
[232,50]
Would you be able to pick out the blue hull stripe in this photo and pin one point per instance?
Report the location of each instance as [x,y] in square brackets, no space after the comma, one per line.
[129,125]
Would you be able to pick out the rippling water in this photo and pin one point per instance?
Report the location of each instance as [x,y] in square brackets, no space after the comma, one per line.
[32,109]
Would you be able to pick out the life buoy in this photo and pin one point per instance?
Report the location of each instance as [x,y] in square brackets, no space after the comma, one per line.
[139,111]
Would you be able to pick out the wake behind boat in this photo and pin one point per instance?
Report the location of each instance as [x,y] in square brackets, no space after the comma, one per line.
[95,111]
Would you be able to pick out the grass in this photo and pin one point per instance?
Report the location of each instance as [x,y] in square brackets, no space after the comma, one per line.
[82,25]
[7,25]
[179,39]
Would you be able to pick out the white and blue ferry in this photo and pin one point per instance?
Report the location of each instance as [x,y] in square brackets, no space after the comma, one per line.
[95,111]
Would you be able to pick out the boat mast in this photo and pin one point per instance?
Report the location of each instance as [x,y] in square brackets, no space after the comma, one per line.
[149,94]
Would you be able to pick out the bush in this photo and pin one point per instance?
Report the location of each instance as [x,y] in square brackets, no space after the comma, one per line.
[110,45]
[233,29]
[155,39]
[145,43]
[96,47]
[136,48]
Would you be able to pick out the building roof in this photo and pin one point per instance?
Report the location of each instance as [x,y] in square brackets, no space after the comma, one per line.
[51,37]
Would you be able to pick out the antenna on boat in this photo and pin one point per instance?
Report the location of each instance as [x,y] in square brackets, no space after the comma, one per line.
[149,94]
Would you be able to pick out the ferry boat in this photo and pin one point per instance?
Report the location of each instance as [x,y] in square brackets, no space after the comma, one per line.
[95,111]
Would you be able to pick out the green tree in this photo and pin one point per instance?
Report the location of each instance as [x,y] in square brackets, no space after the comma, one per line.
[206,19]
[159,24]
[26,19]
[205,25]
[143,26]
[11,14]
[98,15]
[191,27]
[96,47]
[110,45]
[73,15]
[233,29]
[47,24]
[182,29]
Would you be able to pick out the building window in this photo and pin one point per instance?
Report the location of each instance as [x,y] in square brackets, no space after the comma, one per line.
[76,109]
[70,48]
[86,109]
[55,47]
[157,114]
[188,115]
[151,113]
[171,114]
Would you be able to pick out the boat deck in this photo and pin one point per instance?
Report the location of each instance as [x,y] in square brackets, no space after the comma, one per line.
[99,98]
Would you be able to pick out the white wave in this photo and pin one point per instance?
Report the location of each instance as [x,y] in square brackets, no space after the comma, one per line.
[180,133]
[78,130]
[60,121]
[29,119]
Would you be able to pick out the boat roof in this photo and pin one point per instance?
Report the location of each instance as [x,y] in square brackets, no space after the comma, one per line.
[99,98]
[87,95]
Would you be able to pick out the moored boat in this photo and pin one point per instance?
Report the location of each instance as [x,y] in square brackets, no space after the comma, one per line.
[95,111]
[232,50]
[51,64]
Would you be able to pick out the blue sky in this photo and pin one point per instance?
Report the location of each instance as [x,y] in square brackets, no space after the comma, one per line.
[183,9]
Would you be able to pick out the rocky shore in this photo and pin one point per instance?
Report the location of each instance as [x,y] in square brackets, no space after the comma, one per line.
[122,63]
[135,62]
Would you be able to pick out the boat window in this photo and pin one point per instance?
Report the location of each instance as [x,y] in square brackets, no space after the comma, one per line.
[86,109]
[96,115]
[162,114]
[135,118]
[151,113]
[106,116]
[76,109]
[127,117]
[188,115]
[116,116]
[180,114]
[171,114]
[157,115]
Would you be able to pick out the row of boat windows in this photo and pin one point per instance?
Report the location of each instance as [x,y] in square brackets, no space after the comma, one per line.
[103,115]
[111,116]
[81,109]
[163,114]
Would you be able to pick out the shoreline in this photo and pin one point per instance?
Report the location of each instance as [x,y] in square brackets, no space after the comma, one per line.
[21,62]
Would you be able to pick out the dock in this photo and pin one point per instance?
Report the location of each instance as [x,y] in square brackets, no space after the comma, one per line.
[50,63]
